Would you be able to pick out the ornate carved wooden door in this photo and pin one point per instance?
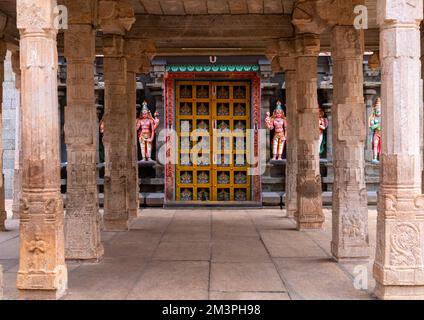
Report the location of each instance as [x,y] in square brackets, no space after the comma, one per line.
[212,123]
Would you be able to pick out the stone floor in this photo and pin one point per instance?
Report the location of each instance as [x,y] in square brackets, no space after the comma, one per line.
[208,254]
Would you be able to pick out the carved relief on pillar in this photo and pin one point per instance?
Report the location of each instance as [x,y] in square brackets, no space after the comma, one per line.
[17,173]
[350,205]
[309,198]
[398,267]
[42,270]
[287,62]
[82,220]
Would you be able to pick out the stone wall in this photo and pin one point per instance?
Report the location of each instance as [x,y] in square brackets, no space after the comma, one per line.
[10,101]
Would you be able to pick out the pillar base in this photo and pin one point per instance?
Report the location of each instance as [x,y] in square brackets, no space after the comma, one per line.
[305,226]
[93,255]
[349,252]
[399,292]
[133,213]
[291,213]
[43,286]
[115,225]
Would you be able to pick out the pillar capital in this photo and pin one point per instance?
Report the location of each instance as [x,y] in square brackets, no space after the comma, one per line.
[287,54]
[36,16]
[116,16]
[82,12]
[307,44]
[113,46]
[337,12]
[139,53]
[399,12]
[306,19]
[348,42]
[80,43]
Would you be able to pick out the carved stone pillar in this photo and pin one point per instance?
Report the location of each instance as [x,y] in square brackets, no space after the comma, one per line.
[42,270]
[157,91]
[267,91]
[291,168]
[328,113]
[82,219]
[132,183]
[350,206]
[17,172]
[116,18]
[116,136]
[309,193]
[369,100]
[3,213]
[399,261]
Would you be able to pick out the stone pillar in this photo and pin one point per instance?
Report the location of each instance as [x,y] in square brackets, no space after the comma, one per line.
[3,213]
[399,261]
[82,219]
[42,270]
[291,168]
[157,91]
[132,183]
[267,91]
[309,193]
[116,136]
[369,100]
[350,206]
[17,173]
[328,113]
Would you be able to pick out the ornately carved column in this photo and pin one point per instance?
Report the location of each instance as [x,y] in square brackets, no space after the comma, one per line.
[116,137]
[82,219]
[291,168]
[116,17]
[3,214]
[309,193]
[350,206]
[133,62]
[42,270]
[17,172]
[399,261]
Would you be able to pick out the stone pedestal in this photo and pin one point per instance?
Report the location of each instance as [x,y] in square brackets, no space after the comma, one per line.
[350,206]
[42,270]
[82,220]
[309,198]
[116,137]
[292,123]
[399,262]
[3,214]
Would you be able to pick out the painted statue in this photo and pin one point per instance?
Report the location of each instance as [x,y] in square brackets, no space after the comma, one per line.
[323,125]
[278,123]
[374,123]
[146,127]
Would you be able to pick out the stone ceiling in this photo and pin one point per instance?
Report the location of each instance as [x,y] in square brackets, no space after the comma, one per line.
[200,26]
[198,7]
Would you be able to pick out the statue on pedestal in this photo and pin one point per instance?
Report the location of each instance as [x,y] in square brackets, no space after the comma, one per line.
[323,125]
[278,123]
[374,123]
[146,127]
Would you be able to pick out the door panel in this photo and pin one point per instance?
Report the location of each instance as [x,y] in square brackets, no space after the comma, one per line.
[212,119]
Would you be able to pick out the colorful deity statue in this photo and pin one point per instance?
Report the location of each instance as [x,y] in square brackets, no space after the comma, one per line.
[146,127]
[374,122]
[323,125]
[278,123]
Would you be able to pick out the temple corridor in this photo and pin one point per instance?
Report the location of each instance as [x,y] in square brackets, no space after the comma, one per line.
[208,254]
